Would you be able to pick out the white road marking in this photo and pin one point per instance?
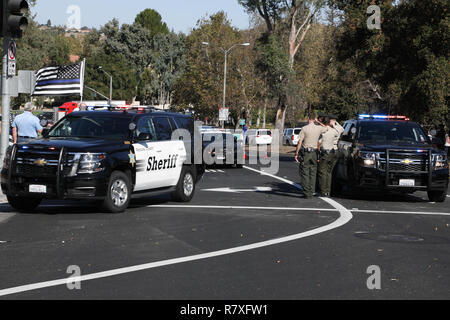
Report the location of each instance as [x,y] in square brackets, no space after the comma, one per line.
[242,207]
[275,177]
[404,212]
[229,190]
[344,218]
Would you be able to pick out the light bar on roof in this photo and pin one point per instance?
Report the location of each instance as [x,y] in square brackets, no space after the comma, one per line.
[382,117]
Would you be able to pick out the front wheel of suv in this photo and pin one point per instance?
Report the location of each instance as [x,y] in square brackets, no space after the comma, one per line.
[118,195]
[437,196]
[186,185]
[24,205]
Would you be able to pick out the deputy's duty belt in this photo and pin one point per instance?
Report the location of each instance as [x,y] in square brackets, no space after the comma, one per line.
[310,150]
[328,151]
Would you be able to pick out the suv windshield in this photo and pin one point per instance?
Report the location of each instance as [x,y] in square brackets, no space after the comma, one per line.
[93,126]
[391,132]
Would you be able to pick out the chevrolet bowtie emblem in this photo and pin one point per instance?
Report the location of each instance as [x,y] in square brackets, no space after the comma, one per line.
[40,162]
[407,161]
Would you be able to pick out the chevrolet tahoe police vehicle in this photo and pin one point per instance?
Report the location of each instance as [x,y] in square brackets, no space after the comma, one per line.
[105,156]
[379,152]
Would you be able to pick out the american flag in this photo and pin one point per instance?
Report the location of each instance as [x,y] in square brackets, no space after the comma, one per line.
[59,81]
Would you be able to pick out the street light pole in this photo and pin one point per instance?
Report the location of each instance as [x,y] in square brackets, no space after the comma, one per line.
[226,52]
[110,84]
[224,85]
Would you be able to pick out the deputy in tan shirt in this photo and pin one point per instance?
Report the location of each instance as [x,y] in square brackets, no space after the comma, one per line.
[329,154]
[308,143]
[330,139]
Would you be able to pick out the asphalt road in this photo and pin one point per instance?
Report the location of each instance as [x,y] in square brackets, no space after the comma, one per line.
[244,236]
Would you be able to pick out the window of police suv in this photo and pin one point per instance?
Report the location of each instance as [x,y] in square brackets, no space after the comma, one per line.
[92,126]
[391,133]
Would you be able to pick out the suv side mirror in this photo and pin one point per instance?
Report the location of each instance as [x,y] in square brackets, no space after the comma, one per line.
[433,133]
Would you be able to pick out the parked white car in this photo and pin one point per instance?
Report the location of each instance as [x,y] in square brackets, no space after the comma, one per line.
[259,137]
[291,137]
[286,133]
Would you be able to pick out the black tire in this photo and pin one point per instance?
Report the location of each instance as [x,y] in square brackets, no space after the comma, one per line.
[115,201]
[437,196]
[186,185]
[24,205]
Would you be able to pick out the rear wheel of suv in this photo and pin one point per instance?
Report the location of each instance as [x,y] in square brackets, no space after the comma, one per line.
[437,196]
[118,195]
[186,185]
[24,205]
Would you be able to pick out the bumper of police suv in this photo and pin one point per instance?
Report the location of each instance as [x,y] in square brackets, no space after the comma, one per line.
[54,175]
[402,171]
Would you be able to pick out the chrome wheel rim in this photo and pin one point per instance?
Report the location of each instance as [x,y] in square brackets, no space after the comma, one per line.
[119,193]
[188,184]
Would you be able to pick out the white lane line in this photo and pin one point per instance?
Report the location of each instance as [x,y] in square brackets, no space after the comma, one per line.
[403,212]
[275,177]
[242,207]
[344,218]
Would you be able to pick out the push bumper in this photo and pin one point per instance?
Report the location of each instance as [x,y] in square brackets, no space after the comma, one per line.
[92,186]
[369,178]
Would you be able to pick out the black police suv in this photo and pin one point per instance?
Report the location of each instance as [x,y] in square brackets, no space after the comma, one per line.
[390,153]
[105,156]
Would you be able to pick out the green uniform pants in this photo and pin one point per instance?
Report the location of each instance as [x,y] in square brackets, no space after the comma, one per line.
[308,173]
[326,167]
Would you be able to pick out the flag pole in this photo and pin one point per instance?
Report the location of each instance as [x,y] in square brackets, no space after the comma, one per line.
[83,66]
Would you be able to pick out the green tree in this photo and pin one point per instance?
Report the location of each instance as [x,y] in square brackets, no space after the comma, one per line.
[167,65]
[134,43]
[124,80]
[407,61]
[152,21]
[294,20]
[202,83]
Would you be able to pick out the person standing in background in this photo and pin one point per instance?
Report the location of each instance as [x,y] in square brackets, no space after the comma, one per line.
[26,126]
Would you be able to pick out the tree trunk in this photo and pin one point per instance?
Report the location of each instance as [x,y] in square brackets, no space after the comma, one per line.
[258,121]
[264,115]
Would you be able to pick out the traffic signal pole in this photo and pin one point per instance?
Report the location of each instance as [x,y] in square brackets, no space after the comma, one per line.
[13,23]
[6,100]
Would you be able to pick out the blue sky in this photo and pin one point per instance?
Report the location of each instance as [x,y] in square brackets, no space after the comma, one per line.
[180,15]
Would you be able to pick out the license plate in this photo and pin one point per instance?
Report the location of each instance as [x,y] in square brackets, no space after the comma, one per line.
[407,183]
[220,158]
[37,188]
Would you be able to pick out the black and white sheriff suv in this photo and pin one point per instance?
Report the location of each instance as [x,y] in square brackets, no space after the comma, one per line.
[107,156]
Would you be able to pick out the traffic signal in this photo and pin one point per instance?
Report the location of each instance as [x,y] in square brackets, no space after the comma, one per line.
[13,17]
